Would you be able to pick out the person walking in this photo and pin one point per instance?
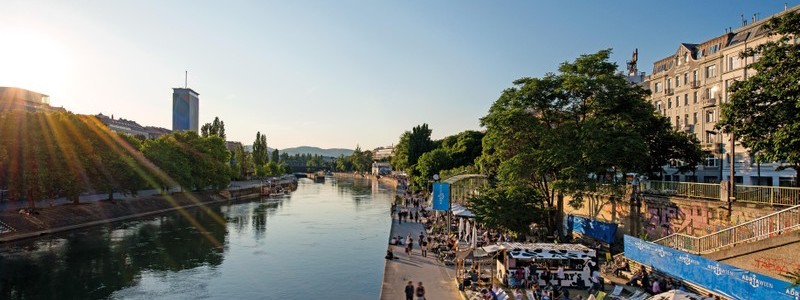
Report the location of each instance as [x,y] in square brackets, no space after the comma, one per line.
[410,291]
[420,291]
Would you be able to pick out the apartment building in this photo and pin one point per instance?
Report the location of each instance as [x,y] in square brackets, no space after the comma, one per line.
[688,87]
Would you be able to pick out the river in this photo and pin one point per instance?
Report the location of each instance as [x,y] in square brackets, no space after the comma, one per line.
[324,241]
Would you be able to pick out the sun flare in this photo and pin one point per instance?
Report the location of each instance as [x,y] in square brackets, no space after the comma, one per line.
[32,60]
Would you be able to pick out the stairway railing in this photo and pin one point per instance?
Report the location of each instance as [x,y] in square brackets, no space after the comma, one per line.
[764,227]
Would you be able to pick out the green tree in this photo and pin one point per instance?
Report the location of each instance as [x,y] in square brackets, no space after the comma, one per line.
[276,158]
[431,163]
[260,151]
[217,127]
[763,109]
[568,133]
[244,162]
[399,160]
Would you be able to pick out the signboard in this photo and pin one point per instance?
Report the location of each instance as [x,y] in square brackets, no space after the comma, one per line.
[713,275]
[441,196]
[603,231]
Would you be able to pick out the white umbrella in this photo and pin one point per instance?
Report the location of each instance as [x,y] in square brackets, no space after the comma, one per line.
[676,295]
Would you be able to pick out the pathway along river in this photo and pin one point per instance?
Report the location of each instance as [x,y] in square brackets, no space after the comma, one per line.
[324,241]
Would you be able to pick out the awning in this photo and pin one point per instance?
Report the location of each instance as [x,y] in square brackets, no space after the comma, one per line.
[461,211]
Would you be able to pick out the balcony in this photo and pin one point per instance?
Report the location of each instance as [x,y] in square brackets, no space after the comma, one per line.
[709,102]
[687,128]
[715,148]
[695,84]
[669,91]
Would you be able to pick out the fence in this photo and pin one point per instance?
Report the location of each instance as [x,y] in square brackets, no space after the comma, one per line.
[761,228]
[707,191]
[772,195]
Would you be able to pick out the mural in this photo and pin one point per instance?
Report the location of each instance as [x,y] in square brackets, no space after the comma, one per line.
[665,218]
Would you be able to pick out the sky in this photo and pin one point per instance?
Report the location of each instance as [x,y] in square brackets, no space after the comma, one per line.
[329,73]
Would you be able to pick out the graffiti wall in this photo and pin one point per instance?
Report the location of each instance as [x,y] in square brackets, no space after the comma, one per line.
[664,217]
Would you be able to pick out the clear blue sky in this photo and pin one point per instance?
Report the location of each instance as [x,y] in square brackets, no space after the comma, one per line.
[329,73]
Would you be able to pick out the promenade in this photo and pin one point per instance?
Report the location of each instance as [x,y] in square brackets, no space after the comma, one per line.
[437,279]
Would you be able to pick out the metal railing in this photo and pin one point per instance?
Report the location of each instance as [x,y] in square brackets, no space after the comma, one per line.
[771,195]
[708,191]
[767,226]
[5,228]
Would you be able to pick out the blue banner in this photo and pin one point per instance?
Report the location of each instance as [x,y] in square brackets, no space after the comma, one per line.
[441,196]
[713,275]
[603,231]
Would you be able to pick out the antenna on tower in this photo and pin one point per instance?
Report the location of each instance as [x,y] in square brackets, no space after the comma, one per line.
[186,80]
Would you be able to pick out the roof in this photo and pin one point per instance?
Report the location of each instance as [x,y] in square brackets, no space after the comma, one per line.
[548,251]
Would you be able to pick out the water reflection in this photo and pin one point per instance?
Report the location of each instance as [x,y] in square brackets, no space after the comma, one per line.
[92,264]
[265,249]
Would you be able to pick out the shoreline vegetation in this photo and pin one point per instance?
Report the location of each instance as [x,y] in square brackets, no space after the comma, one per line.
[50,220]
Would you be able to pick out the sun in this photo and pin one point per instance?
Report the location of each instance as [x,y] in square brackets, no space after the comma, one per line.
[32,60]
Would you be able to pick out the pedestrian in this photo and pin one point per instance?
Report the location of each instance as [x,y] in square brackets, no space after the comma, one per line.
[410,291]
[420,291]
[560,274]
[424,248]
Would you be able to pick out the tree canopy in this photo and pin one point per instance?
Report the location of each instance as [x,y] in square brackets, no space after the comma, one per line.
[763,109]
[216,127]
[570,132]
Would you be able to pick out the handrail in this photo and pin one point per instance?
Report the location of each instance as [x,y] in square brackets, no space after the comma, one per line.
[707,191]
[757,229]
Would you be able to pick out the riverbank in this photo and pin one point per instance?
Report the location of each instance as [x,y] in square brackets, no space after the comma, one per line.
[49,220]
[391,181]
[438,279]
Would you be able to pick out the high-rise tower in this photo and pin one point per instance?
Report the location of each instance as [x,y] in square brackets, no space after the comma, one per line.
[185,109]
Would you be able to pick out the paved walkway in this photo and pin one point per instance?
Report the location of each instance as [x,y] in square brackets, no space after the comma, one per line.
[436,278]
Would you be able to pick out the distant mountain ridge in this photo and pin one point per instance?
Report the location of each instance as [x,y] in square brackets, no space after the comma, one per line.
[333,152]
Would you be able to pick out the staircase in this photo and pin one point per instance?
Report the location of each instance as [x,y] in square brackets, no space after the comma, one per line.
[765,227]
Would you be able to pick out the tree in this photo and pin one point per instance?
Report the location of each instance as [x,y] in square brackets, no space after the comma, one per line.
[400,158]
[431,163]
[568,133]
[260,151]
[275,156]
[217,127]
[244,162]
[762,111]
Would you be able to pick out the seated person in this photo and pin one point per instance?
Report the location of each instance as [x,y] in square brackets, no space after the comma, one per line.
[621,266]
[389,254]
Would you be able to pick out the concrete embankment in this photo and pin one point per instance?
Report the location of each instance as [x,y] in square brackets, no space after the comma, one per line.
[74,216]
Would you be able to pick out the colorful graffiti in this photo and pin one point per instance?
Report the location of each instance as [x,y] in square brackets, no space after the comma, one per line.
[663,219]
[775,265]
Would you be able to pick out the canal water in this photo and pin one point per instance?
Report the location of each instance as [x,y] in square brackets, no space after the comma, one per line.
[324,241]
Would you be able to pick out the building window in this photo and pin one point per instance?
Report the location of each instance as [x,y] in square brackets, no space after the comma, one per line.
[728,84]
[685,78]
[709,95]
[694,75]
[694,119]
[677,81]
[678,121]
[700,53]
[669,83]
[686,119]
[685,57]
[710,116]
[658,87]
[658,106]
[711,161]
[734,62]
[695,97]
[686,99]
[711,71]
[713,49]
[669,103]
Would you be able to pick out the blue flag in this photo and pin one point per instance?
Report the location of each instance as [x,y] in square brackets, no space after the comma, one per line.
[441,196]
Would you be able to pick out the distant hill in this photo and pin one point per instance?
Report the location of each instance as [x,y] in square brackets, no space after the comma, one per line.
[334,152]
